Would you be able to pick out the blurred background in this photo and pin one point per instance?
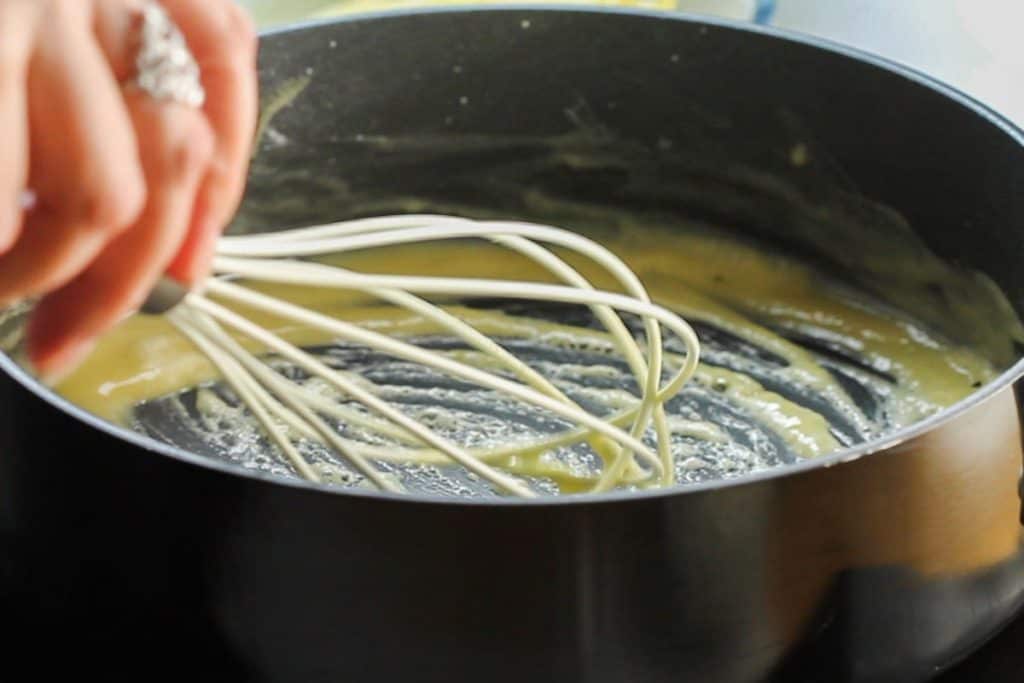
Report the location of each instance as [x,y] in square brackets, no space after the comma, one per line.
[974,45]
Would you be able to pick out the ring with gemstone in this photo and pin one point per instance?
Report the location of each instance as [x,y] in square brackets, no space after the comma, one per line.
[164,67]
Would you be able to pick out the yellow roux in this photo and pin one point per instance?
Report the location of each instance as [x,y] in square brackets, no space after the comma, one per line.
[702,276]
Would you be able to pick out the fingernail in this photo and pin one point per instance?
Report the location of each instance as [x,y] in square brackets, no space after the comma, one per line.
[194,259]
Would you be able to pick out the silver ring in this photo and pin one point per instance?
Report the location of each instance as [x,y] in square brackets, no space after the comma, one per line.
[164,66]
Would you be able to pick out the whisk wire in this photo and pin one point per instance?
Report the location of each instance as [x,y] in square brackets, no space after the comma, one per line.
[291,396]
[352,389]
[415,354]
[247,391]
[316,275]
[283,406]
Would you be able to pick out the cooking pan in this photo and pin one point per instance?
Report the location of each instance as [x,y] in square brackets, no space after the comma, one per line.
[121,555]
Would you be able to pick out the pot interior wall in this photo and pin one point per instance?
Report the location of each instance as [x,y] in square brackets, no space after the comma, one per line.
[574,119]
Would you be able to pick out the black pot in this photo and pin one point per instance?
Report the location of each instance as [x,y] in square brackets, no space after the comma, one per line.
[888,562]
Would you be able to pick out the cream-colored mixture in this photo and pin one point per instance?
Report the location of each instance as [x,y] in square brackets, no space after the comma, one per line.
[709,279]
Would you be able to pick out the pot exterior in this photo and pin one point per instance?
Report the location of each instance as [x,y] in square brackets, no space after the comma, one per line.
[885,568]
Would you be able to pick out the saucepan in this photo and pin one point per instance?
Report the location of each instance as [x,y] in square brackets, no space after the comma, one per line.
[886,561]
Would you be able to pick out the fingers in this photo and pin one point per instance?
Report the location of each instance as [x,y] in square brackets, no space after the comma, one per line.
[67,322]
[83,166]
[114,25]
[223,40]
[125,192]
[17,21]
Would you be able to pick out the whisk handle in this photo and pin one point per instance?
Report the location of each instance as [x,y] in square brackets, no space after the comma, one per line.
[165,295]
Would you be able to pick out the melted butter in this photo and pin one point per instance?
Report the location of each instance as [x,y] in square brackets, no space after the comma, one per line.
[758,297]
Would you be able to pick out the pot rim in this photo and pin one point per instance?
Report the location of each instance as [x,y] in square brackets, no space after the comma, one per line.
[845,455]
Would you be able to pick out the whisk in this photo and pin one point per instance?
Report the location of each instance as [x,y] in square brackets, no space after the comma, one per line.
[287,410]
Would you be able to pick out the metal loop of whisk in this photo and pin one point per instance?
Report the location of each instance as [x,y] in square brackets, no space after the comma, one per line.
[287,410]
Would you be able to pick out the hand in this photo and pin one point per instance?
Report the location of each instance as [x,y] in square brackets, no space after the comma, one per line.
[127,187]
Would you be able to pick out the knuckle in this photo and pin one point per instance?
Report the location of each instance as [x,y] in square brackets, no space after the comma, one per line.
[108,201]
[111,207]
[186,149]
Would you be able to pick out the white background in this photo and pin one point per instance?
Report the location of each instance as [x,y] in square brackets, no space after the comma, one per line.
[976,45]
